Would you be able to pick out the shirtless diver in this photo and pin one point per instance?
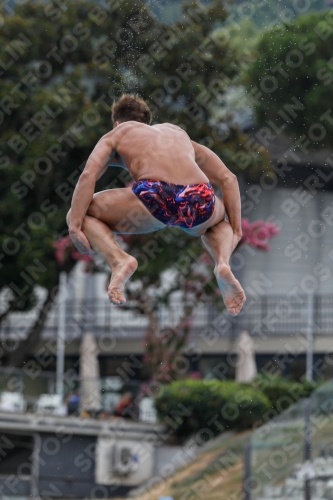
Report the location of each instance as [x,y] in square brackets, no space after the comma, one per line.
[173,179]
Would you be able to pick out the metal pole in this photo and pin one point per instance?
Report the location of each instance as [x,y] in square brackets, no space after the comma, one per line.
[307,449]
[309,335]
[247,471]
[61,334]
[35,466]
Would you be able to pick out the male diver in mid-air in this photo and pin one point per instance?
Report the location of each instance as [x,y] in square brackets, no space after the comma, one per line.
[172,187]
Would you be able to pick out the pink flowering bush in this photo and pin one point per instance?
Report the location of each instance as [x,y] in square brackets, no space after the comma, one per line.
[66,250]
[258,233]
[162,347]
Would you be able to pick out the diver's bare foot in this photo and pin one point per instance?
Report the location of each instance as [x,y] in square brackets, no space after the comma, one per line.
[232,292]
[120,275]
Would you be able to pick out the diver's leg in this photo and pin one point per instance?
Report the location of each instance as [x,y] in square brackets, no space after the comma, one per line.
[219,241]
[119,211]
[217,236]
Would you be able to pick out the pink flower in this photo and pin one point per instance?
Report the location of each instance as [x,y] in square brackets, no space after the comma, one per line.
[64,248]
[258,233]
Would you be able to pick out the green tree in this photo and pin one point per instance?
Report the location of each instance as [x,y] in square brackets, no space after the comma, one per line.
[242,36]
[61,68]
[294,67]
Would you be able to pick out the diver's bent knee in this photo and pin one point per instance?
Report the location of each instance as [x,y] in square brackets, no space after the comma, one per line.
[94,210]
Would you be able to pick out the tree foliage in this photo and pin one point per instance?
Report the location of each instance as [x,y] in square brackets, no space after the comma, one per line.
[293,67]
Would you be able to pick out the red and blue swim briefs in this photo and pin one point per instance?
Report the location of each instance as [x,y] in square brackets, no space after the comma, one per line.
[175,204]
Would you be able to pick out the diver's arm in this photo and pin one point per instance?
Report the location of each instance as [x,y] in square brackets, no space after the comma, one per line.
[84,191]
[220,175]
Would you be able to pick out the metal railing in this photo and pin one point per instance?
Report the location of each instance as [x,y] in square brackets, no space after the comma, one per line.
[291,456]
[266,314]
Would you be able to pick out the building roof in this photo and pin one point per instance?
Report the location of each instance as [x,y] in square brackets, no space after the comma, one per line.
[293,163]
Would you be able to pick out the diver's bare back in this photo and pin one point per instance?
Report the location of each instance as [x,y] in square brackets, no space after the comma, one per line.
[160,152]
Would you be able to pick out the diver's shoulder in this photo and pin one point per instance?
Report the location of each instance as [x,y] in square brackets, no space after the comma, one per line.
[124,128]
[169,125]
[165,124]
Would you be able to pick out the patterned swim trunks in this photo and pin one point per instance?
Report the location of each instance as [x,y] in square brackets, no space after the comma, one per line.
[175,204]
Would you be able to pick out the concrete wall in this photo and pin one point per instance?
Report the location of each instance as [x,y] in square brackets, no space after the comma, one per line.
[301,255]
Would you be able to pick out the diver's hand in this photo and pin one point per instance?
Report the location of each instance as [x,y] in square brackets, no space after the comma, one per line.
[80,241]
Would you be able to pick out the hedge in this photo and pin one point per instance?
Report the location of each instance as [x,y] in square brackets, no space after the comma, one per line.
[210,406]
[281,392]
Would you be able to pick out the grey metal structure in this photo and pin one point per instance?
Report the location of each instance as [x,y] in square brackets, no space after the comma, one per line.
[53,457]
[271,315]
[291,456]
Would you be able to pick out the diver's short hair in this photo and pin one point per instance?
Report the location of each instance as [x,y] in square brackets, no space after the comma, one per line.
[131,107]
